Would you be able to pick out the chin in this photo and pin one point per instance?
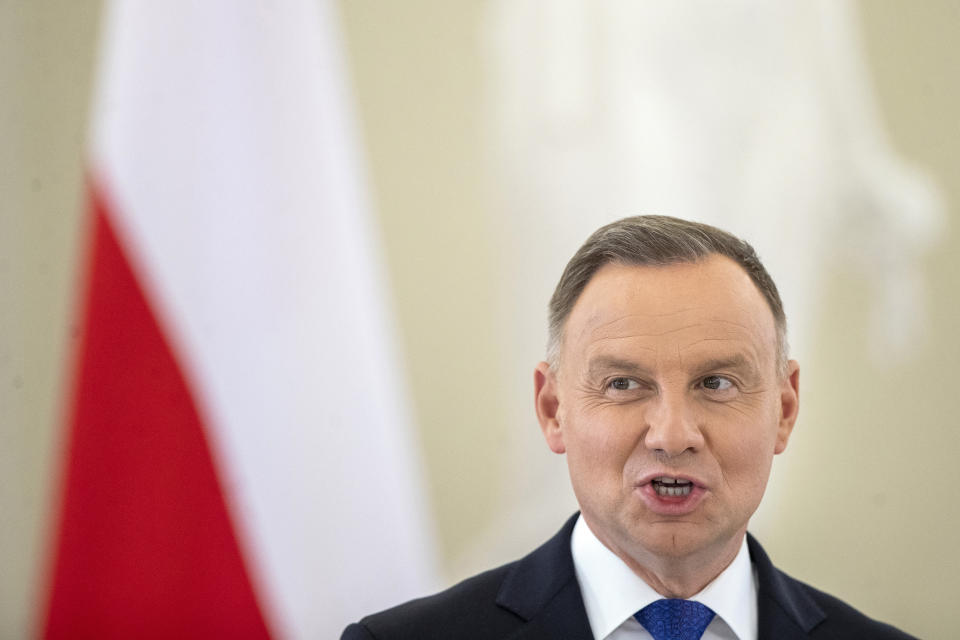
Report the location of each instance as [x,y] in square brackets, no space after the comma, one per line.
[672,540]
[676,548]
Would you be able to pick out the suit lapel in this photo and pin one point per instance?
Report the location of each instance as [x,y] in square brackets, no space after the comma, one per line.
[542,589]
[563,618]
[785,610]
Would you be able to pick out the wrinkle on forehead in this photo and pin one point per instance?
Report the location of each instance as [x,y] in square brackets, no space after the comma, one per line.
[594,322]
[675,313]
[729,352]
[632,339]
[612,330]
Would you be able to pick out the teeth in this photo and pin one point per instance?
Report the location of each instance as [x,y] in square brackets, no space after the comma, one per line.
[672,487]
[674,491]
[669,480]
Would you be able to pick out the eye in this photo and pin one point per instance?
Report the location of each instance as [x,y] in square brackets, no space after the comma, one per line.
[623,384]
[717,383]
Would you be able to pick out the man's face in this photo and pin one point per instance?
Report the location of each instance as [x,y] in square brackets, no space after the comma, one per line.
[669,407]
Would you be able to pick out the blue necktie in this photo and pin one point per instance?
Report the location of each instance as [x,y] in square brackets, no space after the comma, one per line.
[675,619]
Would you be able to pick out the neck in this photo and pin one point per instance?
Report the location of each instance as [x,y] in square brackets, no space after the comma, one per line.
[679,576]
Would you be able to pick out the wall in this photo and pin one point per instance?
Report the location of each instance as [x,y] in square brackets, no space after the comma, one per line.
[867,509]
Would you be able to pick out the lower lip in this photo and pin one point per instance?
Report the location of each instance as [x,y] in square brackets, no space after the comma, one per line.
[670,505]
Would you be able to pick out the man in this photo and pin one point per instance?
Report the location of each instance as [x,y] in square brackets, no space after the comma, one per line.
[668,387]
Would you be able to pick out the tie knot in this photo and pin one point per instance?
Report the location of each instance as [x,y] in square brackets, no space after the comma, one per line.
[673,619]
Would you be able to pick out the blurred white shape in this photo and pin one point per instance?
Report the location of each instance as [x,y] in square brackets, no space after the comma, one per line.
[757,117]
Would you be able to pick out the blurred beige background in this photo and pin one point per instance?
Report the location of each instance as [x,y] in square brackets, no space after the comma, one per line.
[867,509]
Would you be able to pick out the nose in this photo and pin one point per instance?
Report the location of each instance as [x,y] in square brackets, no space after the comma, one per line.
[672,426]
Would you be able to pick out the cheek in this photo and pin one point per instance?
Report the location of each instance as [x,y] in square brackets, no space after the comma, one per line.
[746,460]
[598,444]
[750,433]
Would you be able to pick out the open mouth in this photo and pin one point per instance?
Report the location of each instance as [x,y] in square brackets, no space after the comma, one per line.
[665,486]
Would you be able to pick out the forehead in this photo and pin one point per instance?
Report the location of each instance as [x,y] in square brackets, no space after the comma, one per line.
[710,307]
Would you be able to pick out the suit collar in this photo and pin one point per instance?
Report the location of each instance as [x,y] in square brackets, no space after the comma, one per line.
[542,589]
[785,610]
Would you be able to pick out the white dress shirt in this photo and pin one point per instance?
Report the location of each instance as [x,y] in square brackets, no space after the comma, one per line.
[612,593]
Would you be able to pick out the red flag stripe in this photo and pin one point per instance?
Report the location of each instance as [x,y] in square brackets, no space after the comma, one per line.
[145,545]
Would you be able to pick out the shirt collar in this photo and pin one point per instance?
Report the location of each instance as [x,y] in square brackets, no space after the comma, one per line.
[612,593]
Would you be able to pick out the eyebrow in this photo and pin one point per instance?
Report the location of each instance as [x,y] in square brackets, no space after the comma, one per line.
[612,363]
[735,361]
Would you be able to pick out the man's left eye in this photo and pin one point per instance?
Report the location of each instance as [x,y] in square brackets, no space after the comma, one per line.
[717,383]
[623,384]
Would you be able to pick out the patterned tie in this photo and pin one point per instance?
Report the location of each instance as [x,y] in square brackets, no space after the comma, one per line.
[675,619]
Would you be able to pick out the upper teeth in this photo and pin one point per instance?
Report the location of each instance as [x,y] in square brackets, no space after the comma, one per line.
[669,480]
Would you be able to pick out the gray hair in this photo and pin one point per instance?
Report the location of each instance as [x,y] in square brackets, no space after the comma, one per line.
[657,241]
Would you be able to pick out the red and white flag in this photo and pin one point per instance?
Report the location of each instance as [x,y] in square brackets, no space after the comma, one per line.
[237,457]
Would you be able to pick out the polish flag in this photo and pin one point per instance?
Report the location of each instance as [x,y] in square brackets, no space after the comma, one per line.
[238,458]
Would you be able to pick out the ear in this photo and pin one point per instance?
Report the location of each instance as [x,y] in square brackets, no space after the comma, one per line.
[789,405]
[547,403]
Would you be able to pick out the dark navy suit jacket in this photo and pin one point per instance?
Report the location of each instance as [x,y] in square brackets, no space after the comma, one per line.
[538,597]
